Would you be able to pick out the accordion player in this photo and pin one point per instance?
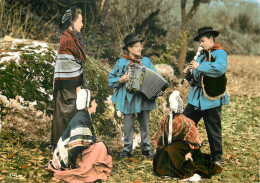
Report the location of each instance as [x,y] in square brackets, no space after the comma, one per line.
[145,80]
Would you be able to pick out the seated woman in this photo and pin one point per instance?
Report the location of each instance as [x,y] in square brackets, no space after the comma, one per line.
[77,157]
[178,145]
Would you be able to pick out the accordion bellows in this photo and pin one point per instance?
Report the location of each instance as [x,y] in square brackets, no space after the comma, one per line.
[145,80]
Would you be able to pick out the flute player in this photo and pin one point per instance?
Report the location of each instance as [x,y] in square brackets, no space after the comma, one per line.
[212,65]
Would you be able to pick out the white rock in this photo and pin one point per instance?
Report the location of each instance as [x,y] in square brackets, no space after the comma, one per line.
[136,141]
[8,39]
[165,71]
[194,178]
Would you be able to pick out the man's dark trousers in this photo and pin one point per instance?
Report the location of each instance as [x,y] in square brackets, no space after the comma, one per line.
[212,121]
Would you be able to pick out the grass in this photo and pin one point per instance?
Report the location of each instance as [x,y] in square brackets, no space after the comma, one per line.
[240,161]
[23,162]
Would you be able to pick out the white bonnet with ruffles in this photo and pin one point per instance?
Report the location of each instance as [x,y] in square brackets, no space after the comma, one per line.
[175,101]
[176,106]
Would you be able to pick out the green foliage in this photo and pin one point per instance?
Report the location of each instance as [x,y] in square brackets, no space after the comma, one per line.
[104,38]
[105,25]
[97,76]
[20,45]
[152,31]
[105,126]
[238,44]
[99,42]
[242,22]
[31,79]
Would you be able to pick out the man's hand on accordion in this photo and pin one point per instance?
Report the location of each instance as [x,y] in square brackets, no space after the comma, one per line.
[124,79]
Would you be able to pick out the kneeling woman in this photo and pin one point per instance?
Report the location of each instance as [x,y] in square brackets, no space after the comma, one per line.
[178,145]
[77,157]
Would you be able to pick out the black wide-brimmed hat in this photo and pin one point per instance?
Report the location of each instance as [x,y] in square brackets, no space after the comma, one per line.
[131,38]
[204,30]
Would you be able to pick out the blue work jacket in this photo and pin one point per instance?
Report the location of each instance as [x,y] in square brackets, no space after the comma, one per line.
[196,96]
[125,101]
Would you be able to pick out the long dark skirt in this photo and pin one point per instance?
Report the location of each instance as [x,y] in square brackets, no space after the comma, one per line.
[64,110]
[170,161]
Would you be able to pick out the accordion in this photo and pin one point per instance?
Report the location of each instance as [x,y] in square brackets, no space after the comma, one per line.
[145,80]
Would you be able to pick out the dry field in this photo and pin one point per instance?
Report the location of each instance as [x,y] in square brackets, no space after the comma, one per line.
[243,73]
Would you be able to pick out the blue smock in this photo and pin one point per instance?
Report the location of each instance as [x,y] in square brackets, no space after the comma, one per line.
[196,96]
[125,101]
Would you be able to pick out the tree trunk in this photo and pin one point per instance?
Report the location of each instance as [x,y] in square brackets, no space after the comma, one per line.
[185,18]
[183,51]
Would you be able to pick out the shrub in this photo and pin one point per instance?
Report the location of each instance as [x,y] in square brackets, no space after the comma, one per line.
[31,77]
[97,76]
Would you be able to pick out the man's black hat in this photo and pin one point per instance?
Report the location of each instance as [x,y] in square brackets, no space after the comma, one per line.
[204,30]
[131,38]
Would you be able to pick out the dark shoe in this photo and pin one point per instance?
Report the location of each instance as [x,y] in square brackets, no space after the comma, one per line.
[148,154]
[124,154]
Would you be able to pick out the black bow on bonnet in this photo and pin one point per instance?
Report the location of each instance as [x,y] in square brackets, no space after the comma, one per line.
[66,18]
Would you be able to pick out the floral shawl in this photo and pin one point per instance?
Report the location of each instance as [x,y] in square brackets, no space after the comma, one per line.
[183,129]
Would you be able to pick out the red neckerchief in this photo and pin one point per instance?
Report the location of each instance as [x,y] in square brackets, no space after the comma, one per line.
[216,46]
[127,57]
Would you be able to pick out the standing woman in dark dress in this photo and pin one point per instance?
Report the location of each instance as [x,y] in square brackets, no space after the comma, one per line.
[68,74]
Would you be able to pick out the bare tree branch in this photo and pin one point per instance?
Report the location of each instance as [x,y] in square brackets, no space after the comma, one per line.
[48,22]
[183,11]
[193,10]
[126,16]
[103,2]
[92,16]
